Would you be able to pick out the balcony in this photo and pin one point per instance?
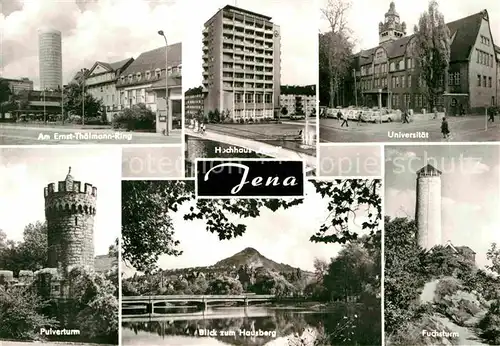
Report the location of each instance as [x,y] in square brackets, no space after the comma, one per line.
[205,65]
[205,31]
[205,48]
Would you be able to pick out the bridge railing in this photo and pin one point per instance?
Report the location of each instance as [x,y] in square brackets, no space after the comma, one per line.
[197,297]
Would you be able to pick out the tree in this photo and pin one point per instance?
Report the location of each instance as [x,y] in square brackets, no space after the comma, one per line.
[335,48]
[403,277]
[73,99]
[298,106]
[20,314]
[147,230]
[5,97]
[350,272]
[493,255]
[224,285]
[320,269]
[432,50]
[30,254]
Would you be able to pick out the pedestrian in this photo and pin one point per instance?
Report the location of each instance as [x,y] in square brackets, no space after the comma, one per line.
[405,117]
[491,112]
[445,130]
[339,115]
[435,113]
[344,120]
[360,116]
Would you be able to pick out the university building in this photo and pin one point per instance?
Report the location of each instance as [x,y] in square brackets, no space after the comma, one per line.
[194,100]
[388,75]
[241,64]
[100,82]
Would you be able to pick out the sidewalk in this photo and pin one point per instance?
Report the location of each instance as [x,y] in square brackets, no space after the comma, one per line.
[79,128]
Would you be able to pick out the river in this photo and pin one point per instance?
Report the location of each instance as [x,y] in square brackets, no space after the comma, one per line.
[341,324]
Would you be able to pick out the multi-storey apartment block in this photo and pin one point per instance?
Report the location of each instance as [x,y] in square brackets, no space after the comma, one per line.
[18,85]
[194,100]
[388,75]
[100,82]
[143,81]
[241,64]
[298,100]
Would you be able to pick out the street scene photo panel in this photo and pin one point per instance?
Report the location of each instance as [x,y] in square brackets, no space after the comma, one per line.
[409,72]
[250,80]
[85,78]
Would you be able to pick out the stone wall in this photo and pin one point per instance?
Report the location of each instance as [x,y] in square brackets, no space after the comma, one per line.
[70,215]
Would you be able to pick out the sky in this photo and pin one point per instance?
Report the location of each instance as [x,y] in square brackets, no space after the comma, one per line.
[92,30]
[364,16]
[470,190]
[152,162]
[282,236]
[350,160]
[26,171]
[297,20]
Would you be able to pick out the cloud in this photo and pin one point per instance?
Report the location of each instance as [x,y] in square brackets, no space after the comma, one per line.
[392,154]
[299,57]
[365,27]
[104,30]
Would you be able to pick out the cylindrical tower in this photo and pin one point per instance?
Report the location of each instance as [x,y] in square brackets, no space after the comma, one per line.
[428,207]
[50,58]
[70,212]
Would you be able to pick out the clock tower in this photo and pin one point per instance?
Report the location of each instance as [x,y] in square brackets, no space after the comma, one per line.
[392,28]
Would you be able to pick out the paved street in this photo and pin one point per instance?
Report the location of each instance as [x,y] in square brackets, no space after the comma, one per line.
[463,129]
[42,135]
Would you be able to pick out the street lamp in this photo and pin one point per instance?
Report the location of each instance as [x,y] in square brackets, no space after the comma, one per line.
[83,96]
[168,120]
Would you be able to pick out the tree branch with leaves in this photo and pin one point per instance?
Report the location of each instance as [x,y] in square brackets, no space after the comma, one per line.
[148,231]
[432,50]
[335,46]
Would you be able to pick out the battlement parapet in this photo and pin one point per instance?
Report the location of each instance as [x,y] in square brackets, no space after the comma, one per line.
[70,186]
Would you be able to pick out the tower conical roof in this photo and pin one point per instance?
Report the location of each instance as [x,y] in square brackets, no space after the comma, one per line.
[69,177]
[429,169]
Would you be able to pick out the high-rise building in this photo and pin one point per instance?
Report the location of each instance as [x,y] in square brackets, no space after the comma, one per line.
[50,59]
[428,207]
[241,64]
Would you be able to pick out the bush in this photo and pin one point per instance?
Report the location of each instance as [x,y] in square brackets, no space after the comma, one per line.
[20,314]
[490,324]
[447,287]
[99,320]
[138,117]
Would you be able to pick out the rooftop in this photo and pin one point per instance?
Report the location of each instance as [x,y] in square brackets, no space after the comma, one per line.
[429,169]
[155,59]
[464,32]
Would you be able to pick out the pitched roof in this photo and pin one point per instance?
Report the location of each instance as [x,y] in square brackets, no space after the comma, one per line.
[113,66]
[465,31]
[172,82]
[497,48]
[465,249]
[155,58]
[428,169]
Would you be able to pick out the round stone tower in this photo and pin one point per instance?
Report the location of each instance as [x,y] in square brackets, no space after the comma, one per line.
[70,212]
[428,207]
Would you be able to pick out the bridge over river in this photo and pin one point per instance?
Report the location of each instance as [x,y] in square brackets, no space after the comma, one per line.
[149,303]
